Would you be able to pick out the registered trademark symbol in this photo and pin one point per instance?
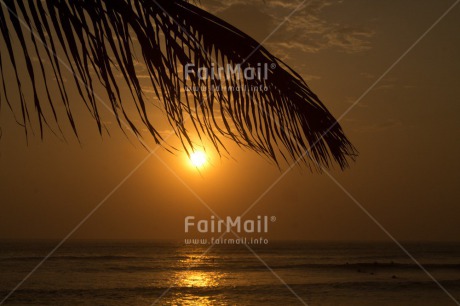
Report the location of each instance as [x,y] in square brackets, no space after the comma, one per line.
[273,66]
[273,218]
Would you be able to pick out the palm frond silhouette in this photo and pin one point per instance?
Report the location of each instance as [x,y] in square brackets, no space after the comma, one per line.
[98,39]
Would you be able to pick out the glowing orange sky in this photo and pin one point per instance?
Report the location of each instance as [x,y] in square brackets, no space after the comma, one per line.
[406,131]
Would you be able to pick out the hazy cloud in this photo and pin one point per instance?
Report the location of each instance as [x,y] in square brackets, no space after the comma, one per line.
[307,30]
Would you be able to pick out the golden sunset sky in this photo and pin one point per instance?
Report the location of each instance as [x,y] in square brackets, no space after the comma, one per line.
[406,130]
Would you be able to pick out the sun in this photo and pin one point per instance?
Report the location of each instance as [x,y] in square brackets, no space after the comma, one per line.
[198,159]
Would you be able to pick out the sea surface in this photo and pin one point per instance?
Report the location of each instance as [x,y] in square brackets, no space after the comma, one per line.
[282,273]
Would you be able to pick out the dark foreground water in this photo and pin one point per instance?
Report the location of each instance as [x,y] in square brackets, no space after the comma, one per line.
[171,273]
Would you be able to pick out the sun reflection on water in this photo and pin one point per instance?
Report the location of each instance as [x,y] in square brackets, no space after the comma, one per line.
[194,280]
[198,272]
[198,279]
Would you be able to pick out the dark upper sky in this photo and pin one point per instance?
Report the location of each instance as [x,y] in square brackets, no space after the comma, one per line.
[406,130]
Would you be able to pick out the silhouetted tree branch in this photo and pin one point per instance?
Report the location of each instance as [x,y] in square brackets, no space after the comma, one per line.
[98,39]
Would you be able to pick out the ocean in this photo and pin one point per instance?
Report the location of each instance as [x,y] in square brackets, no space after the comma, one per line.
[173,273]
